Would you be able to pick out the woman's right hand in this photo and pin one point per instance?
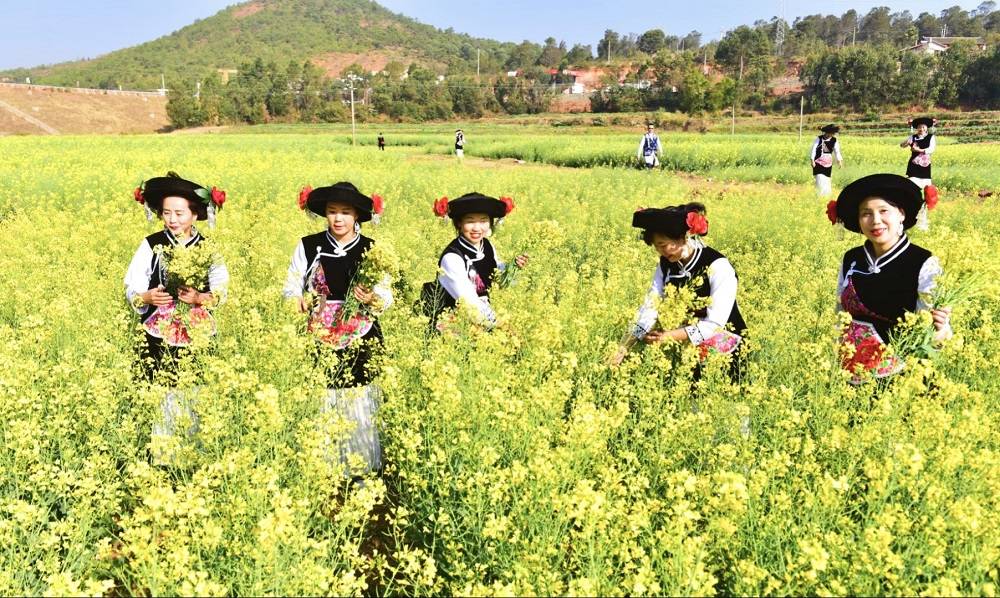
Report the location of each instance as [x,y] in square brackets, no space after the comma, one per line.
[157,297]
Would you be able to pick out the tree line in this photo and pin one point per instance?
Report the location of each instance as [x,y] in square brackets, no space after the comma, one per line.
[851,62]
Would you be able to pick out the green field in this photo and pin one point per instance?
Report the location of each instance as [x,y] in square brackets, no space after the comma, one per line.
[518,462]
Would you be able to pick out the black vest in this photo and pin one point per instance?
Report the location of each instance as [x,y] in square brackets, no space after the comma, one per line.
[339,271]
[485,267]
[698,272]
[829,143]
[159,269]
[892,291]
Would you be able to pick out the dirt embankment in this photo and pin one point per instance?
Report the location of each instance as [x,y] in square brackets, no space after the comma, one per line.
[40,110]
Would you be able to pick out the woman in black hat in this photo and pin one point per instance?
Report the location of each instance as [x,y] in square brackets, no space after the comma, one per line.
[922,144]
[320,278]
[675,233]
[468,264]
[158,297]
[179,203]
[887,276]
[821,156]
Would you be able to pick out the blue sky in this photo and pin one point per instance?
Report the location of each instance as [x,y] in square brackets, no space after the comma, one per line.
[48,31]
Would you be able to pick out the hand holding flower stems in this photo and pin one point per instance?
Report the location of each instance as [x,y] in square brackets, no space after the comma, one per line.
[507,277]
[157,297]
[193,297]
[941,318]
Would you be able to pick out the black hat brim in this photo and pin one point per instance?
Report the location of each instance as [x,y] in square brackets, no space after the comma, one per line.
[893,188]
[923,120]
[672,223]
[476,203]
[157,189]
[344,193]
[830,129]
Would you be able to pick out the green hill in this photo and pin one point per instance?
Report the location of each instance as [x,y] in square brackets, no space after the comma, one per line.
[331,33]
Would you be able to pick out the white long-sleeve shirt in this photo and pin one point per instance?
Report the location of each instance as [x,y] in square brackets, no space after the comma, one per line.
[456,276]
[642,145]
[722,285]
[296,284]
[140,271]
[816,142]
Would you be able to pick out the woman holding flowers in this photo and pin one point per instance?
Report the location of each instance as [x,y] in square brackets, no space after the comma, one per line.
[468,265]
[174,280]
[821,156]
[175,277]
[886,277]
[921,144]
[338,278]
[675,233]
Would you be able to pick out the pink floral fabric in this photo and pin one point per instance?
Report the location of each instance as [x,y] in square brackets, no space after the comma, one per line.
[168,324]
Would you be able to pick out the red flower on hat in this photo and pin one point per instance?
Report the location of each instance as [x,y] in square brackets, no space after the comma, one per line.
[696,223]
[377,203]
[441,207]
[304,196]
[218,197]
[831,211]
[137,194]
[509,203]
[931,196]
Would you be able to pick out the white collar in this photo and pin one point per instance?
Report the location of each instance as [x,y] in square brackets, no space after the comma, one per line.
[476,250]
[195,235]
[875,265]
[341,250]
[685,269]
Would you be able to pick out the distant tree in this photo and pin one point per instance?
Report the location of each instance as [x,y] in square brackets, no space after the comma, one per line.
[652,41]
[691,41]
[579,54]
[552,53]
[912,84]
[609,45]
[183,109]
[983,81]
[738,46]
[523,55]
[928,25]
[876,27]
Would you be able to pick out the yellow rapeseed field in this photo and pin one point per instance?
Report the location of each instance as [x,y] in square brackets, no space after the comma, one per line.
[517,461]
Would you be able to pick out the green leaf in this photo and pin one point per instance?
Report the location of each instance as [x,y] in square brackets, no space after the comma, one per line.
[203,193]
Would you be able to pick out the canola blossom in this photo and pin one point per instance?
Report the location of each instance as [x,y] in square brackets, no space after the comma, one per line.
[516,460]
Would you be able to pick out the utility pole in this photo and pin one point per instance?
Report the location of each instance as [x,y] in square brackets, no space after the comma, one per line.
[197,90]
[351,79]
[477,64]
[802,108]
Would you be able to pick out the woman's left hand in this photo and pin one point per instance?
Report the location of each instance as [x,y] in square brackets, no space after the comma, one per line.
[190,296]
[521,260]
[364,295]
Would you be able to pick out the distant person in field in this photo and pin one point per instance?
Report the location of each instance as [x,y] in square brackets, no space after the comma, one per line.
[922,144]
[172,310]
[824,149]
[650,150]
[675,233]
[468,266]
[320,280]
[381,142]
[886,277]
[459,143]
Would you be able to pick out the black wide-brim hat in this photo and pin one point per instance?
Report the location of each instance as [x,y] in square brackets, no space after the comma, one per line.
[923,120]
[156,189]
[830,128]
[893,188]
[671,222]
[476,203]
[344,193]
